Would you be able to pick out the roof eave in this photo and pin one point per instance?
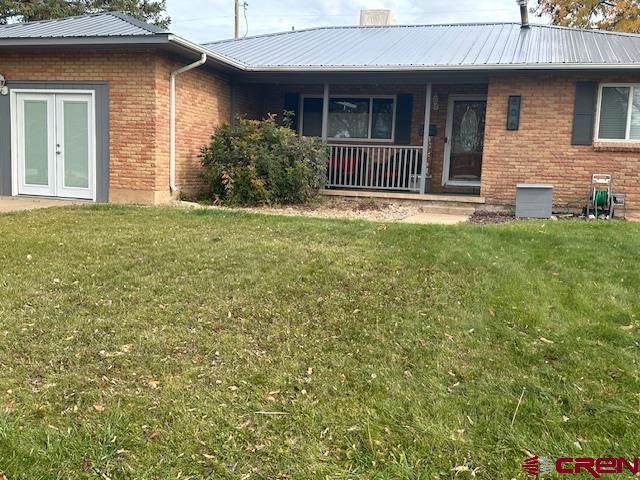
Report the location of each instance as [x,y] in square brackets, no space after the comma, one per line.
[152,39]
[443,68]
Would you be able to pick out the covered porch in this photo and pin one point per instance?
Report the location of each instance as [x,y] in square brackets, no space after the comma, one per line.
[396,135]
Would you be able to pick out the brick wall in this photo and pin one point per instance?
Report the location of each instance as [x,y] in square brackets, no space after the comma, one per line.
[139,112]
[202,104]
[132,102]
[541,151]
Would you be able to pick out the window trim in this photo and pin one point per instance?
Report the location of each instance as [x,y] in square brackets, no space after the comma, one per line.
[632,87]
[353,139]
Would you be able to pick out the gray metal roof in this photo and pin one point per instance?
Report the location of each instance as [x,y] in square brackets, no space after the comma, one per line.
[110,24]
[433,47]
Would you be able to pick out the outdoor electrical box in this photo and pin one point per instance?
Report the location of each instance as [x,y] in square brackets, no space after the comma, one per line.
[534,200]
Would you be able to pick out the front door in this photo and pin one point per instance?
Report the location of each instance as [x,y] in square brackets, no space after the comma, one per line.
[55,144]
[464,140]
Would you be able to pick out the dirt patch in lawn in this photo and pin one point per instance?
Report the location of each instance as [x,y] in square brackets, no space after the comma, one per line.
[483,217]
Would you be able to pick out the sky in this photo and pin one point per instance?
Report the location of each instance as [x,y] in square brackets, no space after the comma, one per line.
[208,20]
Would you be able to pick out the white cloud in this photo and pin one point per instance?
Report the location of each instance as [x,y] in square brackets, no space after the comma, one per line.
[205,20]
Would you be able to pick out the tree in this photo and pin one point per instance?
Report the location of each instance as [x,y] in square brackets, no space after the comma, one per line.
[152,11]
[617,15]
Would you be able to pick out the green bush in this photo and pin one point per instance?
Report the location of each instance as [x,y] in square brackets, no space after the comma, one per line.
[258,162]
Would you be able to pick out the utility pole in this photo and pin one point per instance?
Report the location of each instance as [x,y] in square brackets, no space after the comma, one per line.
[237,19]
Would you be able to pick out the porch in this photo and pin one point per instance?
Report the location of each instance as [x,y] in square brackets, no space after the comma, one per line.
[411,138]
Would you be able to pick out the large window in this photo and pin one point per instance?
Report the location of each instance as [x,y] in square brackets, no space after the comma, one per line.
[350,118]
[619,107]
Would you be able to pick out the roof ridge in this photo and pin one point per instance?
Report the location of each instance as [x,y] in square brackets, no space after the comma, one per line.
[120,15]
[135,22]
[590,30]
[445,24]
[346,27]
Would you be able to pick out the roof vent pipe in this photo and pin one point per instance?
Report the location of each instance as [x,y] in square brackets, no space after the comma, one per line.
[524,13]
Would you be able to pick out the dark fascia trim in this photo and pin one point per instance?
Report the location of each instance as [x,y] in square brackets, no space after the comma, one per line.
[381,78]
[165,41]
[133,40]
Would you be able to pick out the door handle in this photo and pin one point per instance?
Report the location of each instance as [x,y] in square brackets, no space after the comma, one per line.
[58,150]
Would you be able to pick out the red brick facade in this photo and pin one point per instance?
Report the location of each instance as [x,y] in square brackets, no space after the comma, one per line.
[139,112]
[541,151]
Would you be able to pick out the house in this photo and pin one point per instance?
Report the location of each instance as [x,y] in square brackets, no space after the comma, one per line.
[107,108]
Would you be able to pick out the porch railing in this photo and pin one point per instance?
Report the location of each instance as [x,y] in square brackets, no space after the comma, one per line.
[384,167]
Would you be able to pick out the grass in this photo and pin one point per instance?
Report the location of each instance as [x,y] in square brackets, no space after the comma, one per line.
[141,343]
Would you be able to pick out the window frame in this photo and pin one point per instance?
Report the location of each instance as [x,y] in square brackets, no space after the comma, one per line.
[351,140]
[626,139]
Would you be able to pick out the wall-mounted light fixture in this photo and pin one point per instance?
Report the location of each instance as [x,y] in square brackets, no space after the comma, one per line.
[435,102]
[4,90]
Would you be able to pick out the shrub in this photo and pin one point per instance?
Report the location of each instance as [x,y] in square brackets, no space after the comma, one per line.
[257,162]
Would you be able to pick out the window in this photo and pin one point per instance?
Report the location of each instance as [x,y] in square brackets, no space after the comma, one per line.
[350,118]
[312,117]
[619,107]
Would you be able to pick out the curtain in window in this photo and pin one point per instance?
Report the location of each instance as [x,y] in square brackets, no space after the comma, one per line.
[613,113]
[634,132]
[382,120]
[349,118]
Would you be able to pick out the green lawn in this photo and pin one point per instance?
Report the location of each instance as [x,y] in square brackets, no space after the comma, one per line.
[142,343]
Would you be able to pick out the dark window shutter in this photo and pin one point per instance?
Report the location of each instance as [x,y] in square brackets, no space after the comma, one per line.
[292,104]
[583,113]
[404,111]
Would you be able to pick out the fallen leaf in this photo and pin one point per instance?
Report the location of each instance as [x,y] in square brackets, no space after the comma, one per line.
[546,340]
[627,327]
[99,407]
[85,466]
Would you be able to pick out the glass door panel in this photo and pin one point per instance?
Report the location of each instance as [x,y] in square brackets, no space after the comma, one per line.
[35,143]
[465,141]
[74,146]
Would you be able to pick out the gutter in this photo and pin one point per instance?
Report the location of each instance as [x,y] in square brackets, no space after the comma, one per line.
[172,119]
[201,50]
[445,68]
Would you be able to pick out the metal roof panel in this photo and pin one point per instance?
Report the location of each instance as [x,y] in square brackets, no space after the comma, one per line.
[437,46]
[109,24]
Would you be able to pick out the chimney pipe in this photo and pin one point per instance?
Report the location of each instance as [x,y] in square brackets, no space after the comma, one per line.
[524,13]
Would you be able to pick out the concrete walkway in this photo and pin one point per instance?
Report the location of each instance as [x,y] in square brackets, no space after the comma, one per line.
[428,218]
[17,204]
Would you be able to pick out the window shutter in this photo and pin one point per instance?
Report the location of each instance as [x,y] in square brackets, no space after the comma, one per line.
[292,104]
[583,113]
[404,111]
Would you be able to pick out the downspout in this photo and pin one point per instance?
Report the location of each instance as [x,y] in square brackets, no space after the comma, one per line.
[172,119]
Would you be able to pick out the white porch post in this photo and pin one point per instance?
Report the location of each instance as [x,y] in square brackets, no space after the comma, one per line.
[325,113]
[425,140]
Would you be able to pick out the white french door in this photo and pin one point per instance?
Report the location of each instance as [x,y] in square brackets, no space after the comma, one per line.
[55,148]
